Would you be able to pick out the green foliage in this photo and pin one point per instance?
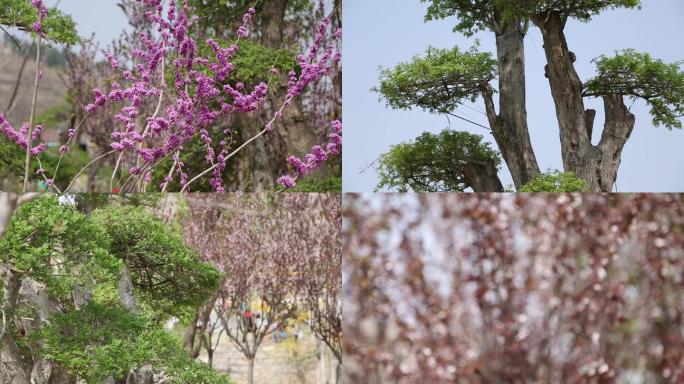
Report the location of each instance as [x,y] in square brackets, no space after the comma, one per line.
[12,159]
[439,82]
[330,184]
[253,62]
[477,15]
[433,163]
[473,15]
[555,181]
[98,341]
[62,248]
[58,27]
[167,274]
[220,16]
[582,10]
[58,246]
[636,74]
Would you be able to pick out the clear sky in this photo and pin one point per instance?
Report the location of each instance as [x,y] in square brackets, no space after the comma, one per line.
[101,17]
[386,32]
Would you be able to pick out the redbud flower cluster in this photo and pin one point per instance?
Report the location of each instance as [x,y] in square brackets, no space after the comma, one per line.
[198,95]
[20,137]
[201,93]
[315,158]
[42,14]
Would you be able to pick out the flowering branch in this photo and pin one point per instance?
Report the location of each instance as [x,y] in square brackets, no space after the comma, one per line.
[315,158]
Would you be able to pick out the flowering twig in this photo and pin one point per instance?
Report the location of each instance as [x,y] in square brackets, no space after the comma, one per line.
[315,158]
[37,27]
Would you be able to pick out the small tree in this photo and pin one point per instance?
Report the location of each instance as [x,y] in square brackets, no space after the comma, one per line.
[85,296]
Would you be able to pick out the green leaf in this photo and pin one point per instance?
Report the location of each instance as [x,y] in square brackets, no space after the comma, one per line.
[438,82]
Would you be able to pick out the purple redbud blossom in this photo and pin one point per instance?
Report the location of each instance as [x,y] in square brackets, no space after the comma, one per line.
[38,149]
[287,182]
[316,158]
[100,98]
[203,92]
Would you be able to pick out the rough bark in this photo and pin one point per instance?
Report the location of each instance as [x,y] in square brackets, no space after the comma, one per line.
[272,18]
[616,131]
[482,177]
[255,169]
[509,127]
[566,89]
[597,165]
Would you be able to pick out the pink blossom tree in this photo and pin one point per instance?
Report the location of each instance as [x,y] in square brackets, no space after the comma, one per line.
[500,288]
[279,254]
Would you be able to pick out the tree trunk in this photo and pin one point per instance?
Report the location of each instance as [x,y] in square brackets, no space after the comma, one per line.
[616,131]
[566,89]
[272,18]
[597,165]
[510,130]
[255,168]
[482,177]
[338,373]
[250,370]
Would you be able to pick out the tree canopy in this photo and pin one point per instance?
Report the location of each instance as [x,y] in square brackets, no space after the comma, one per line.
[438,82]
[638,75]
[77,264]
[434,162]
[58,27]
[582,10]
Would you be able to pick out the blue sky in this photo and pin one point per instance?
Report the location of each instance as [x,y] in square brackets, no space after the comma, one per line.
[386,32]
[101,17]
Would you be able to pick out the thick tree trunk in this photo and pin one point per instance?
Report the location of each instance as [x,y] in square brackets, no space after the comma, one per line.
[566,89]
[510,130]
[597,165]
[255,169]
[292,134]
[482,177]
[616,131]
